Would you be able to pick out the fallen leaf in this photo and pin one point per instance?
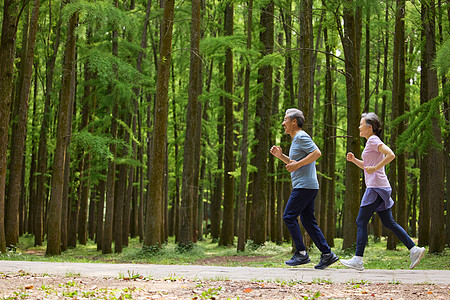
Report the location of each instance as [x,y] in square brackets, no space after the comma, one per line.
[29,287]
[248,290]
[430,292]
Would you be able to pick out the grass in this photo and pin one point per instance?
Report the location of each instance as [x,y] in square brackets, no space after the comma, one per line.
[270,255]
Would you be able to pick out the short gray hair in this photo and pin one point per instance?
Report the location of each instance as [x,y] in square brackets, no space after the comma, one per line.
[297,114]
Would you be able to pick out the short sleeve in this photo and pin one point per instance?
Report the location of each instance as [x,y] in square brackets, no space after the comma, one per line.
[373,143]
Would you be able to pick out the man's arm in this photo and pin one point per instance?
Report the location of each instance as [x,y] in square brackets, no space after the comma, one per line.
[310,158]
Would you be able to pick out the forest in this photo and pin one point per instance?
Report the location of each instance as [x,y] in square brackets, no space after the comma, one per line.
[154,119]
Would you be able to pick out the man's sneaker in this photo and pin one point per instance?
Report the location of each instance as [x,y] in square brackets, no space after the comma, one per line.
[353,263]
[326,260]
[416,256]
[298,259]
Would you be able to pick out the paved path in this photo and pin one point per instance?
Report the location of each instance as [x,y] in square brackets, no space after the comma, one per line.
[229,273]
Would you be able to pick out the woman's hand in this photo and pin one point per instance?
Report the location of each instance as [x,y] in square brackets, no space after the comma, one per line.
[370,169]
[350,156]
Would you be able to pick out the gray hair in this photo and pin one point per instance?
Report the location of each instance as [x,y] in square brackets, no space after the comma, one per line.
[372,119]
[293,113]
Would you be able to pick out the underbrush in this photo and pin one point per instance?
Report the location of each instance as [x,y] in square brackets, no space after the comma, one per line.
[209,253]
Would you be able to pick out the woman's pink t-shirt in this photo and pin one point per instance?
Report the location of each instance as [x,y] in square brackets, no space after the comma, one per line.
[371,157]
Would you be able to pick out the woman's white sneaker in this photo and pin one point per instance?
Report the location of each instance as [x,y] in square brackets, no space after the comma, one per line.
[416,255]
[353,263]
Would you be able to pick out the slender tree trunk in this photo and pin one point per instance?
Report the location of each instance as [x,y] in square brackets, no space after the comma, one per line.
[263,107]
[19,133]
[99,216]
[154,206]
[351,51]
[436,161]
[227,232]
[55,209]
[218,185]
[304,79]
[402,199]
[185,238]
[330,144]
[367,68]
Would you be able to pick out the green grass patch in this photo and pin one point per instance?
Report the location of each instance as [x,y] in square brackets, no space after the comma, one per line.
[206,252]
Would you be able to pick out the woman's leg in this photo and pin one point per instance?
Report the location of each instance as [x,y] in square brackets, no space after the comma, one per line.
[365,213]
[389,222]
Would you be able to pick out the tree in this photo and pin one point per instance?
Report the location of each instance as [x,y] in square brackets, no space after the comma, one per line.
[244,142]
[351,51]
[55,204]
[187,193]
[7,54]
[19,131]
[435,177]
[227,232]
[154,210]
[262,126]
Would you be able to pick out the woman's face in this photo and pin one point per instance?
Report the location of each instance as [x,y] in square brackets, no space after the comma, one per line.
[365,130]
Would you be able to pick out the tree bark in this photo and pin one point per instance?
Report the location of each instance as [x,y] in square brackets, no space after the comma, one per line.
[55,204]
[153,236]
[227,232]
[7,55]
[436,158]
[304,79]
[351,51]
[263,107]
[19,133]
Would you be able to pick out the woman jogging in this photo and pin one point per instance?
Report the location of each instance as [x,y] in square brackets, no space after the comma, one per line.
[377,197]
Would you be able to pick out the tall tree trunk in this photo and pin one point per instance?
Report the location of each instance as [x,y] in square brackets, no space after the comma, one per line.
[263,107]
[436,161]
[7,55]
[304,79]
[85,160]
[330,143]
[42,152]
[402,193]
[227,232]
[19,133]
[55,204]
[185,238]
[351,51]
[154,206]
[216,215]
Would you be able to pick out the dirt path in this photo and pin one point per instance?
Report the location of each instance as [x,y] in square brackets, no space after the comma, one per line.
[33,280]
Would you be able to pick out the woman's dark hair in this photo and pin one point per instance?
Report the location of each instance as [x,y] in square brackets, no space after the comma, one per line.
[293,113]
[372,119]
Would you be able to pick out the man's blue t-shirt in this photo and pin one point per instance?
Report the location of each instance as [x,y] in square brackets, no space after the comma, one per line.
[304,177]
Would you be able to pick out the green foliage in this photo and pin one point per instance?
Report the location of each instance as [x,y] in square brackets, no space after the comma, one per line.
[419,134]
[442,63]
[95,144]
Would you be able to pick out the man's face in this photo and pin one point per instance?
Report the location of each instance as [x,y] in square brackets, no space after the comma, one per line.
[289,125]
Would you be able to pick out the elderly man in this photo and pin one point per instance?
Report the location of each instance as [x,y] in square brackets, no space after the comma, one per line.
[301,164]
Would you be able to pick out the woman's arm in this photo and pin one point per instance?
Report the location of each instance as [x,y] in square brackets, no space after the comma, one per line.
[388,157]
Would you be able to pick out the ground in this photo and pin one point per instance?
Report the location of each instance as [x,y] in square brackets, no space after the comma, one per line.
[22,285]
[29,286]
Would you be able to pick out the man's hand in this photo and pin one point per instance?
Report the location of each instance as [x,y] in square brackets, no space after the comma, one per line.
[292,166]
[276,151]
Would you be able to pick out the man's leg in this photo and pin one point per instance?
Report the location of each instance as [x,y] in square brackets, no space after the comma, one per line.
[293,209]
[310,223]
